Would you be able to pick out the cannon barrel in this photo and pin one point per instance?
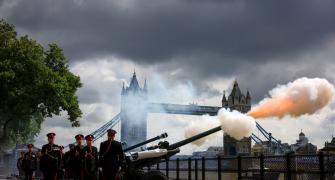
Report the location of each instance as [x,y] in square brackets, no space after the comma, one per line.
[164,135]
[193,138]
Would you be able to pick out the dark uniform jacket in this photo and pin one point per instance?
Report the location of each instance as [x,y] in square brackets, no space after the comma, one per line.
[111,155]
[51,158]
[75,159]
[29,161]
[19,165]
[66,159]
[90,161]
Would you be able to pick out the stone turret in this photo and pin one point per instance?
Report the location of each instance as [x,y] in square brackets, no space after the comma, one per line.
[145,88]
[248,98]
[123,89]
[224,100]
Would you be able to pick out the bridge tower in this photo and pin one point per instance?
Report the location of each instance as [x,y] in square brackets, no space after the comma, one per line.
[134,112]
[237,101]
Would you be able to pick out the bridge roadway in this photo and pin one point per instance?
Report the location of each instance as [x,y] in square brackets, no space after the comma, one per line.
[182,109]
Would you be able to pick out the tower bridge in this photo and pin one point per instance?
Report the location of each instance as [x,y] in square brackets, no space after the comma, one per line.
[135,108]
[191,109]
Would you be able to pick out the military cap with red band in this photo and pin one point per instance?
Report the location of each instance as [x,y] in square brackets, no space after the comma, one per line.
[91,137]
[111,131]
[79,136]
[51,134]
[30,145]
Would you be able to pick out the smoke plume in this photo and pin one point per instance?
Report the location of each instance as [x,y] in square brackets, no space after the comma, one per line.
[236,124]
[302,96]
[195,127]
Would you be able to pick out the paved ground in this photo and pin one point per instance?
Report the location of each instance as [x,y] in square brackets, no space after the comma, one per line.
[3,177]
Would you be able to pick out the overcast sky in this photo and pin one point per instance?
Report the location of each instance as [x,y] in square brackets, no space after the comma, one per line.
[188,50]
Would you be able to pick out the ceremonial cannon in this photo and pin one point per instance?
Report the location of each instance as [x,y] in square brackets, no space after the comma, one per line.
[164,135]
[137,160]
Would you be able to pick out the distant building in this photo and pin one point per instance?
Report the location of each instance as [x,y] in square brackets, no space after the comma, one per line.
[180,156]
[8,159]
[258,149]
[302,146]
[270,148]
[329,147]
[242,103]
[212,151]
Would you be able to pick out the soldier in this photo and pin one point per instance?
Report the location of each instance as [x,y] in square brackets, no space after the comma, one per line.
[111,156]
[29,163]
[75,160]
[50,159]
[90,159]
[38,172]
[60,173]
[67,162]
[19,165]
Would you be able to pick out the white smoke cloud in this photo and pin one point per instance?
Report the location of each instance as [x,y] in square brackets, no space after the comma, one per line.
[195,127]
[236,124]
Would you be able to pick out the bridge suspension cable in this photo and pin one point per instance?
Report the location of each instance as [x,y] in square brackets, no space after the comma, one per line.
[269,137]
[266,134]
[256,139]
[102,130]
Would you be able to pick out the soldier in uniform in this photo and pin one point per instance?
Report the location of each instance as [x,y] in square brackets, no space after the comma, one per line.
[67,162]
[111,156]
[61,170]
[19,165]
[50,159]
[90,159]
[38,172]
[29,163]
[75,159]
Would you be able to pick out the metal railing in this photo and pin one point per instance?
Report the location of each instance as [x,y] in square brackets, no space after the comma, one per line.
[287,167]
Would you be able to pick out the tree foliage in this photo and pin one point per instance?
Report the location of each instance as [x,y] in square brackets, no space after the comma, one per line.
[34,84]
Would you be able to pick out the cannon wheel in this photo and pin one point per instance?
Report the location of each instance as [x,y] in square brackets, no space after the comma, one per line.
[154,175]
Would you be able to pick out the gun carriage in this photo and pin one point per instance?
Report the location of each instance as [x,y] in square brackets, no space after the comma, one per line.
[135,161]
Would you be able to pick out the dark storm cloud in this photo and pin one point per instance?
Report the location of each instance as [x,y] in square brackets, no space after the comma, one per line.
[151,31]
[206,39]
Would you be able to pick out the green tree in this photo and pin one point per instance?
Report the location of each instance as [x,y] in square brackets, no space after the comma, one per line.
[34,84]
